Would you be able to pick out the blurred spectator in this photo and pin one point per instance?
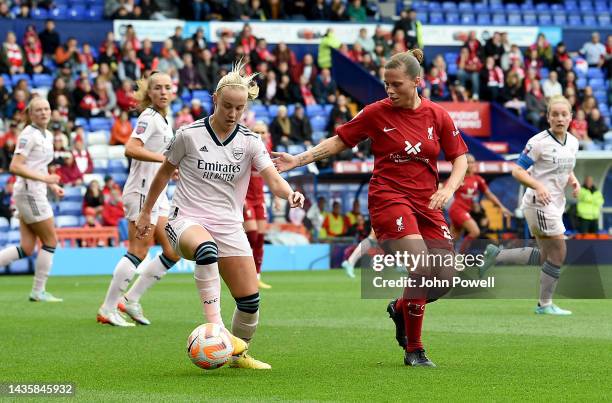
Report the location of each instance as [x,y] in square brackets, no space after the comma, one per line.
[536,106]
[597,127]
[532,75]
[198,39]
[12,57]
[5,12]
[105,96]
[87,59]
[112,211]
[110,57]
[287,92]
[588,104]
[6,154]
[129,66]
[473,44]
[183,117]
[130,39]
[34,55]
[121,130]
[282,53]
[5,96]
[325,87]
[90,222]
[269,89]
[169,58]
[559,57]
[86,101]
[93,201]
[10,134]
[533,61]
[338,11]
[208,69]
[593,51]
[125,96]
[6,194]
[335,224]
[301,129]
[197,110]
[60,151]
[570,82]
[189,77]
[81,157]
[49,38]
[319,11]
[580,127]
[468,70]
[493,80]
[366,42]
[458,93]
[69,172]
[551,86]
[328,42]
[261,53]
[513,94]
[17,104]
[68,53]
[356,11]
[400,44]
[590,201]
[543,49]
[109,186]
[355,213]
[494,48]
[306,92]
[280,128]
[340,114]
[412,28]
[238,10]
[512,59]
[246,39]
[147,55]
[316,215]
[274,10]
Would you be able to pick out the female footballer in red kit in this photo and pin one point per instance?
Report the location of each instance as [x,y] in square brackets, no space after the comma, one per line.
[407,133]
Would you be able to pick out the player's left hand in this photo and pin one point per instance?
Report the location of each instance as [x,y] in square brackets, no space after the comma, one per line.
[296,199]
[440,198]
[175,175]
[57,190]
[575,188]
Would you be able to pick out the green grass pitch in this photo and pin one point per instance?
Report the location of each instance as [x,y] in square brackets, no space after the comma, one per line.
[322,340]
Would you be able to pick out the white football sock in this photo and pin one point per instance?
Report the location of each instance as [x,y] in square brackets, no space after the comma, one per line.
[360,250]
[42,267]
[153,271]
[122,276]
[9,254]
[520,256]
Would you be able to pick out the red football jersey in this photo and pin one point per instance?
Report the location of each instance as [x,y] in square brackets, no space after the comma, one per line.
[406,144]
[468,192]
[255,191]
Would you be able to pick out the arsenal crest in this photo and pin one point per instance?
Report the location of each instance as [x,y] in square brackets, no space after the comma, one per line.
[238,153]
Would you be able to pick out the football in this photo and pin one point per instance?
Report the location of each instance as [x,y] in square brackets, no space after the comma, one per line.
[209,346]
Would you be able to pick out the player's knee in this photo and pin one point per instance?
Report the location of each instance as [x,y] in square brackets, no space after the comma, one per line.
[170,254]
[206,253]
[25,250]
[248,304]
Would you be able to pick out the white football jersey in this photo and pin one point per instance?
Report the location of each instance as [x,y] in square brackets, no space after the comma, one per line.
[550,162]
[214,175]
[155,133]
[36,146]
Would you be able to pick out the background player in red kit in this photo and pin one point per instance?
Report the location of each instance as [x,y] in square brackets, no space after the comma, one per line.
[407,133]
[459,211]
[255,216]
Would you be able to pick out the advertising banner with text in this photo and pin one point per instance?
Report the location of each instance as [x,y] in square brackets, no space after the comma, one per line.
[474,118]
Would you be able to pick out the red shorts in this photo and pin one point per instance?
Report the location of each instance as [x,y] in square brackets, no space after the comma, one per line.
[254,211]
[395,220]
[458,217]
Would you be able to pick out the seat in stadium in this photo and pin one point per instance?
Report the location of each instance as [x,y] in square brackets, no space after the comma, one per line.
[589,20]
[468,19]
[261,110]
[83,122]
[436,17]
[77,12]
[483,19]
[70,208]
[98,151]
[73,194]
[265,118]
[527,7]
[449,6]
[317,136]
[545,19]
[175,107]
[328,108]
[434,6]
[574,20]
[585,5]
[14,223]
[595,72]
[59,12]
[544,73]
[559,19]
[314,110]
[452,18]
[452,69]
[290,109]
[63,221]
[94,13]
[570,6]
[116,152]
[42,80]
[170,191]
[121,178]
[499,19]
[117,166]
[97,137]
[529,19]
[581,83]
[3,238]
[100,166]
[604,19]
[597,84]
[465,7]
[100,124]
[13,237]
[514,19]
[17,77]
[4,224]
[318,123]
[512,8]
[202,95]
[481,8]
[39,13]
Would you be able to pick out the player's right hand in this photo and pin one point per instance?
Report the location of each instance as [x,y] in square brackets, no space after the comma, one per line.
[143,225]
[543,195]
[52,179]
[284,162]
[296,199]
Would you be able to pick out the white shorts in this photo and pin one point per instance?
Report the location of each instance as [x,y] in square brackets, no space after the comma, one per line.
[133,202]
[544,221]
[231,240]
[33,208]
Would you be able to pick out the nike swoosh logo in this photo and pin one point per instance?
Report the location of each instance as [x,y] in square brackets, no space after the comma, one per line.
[388,129]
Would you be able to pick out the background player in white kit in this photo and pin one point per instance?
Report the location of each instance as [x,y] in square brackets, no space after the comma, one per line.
[149,139]
[214,156]
[33,154]
[546,168]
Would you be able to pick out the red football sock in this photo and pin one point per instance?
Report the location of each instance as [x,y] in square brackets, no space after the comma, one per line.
[413,310]
[258,251]
[465,244]
[252,237]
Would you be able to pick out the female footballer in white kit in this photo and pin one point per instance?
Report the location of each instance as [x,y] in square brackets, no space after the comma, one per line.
[33,154]
[214,156]
[545,168]
[149,139]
